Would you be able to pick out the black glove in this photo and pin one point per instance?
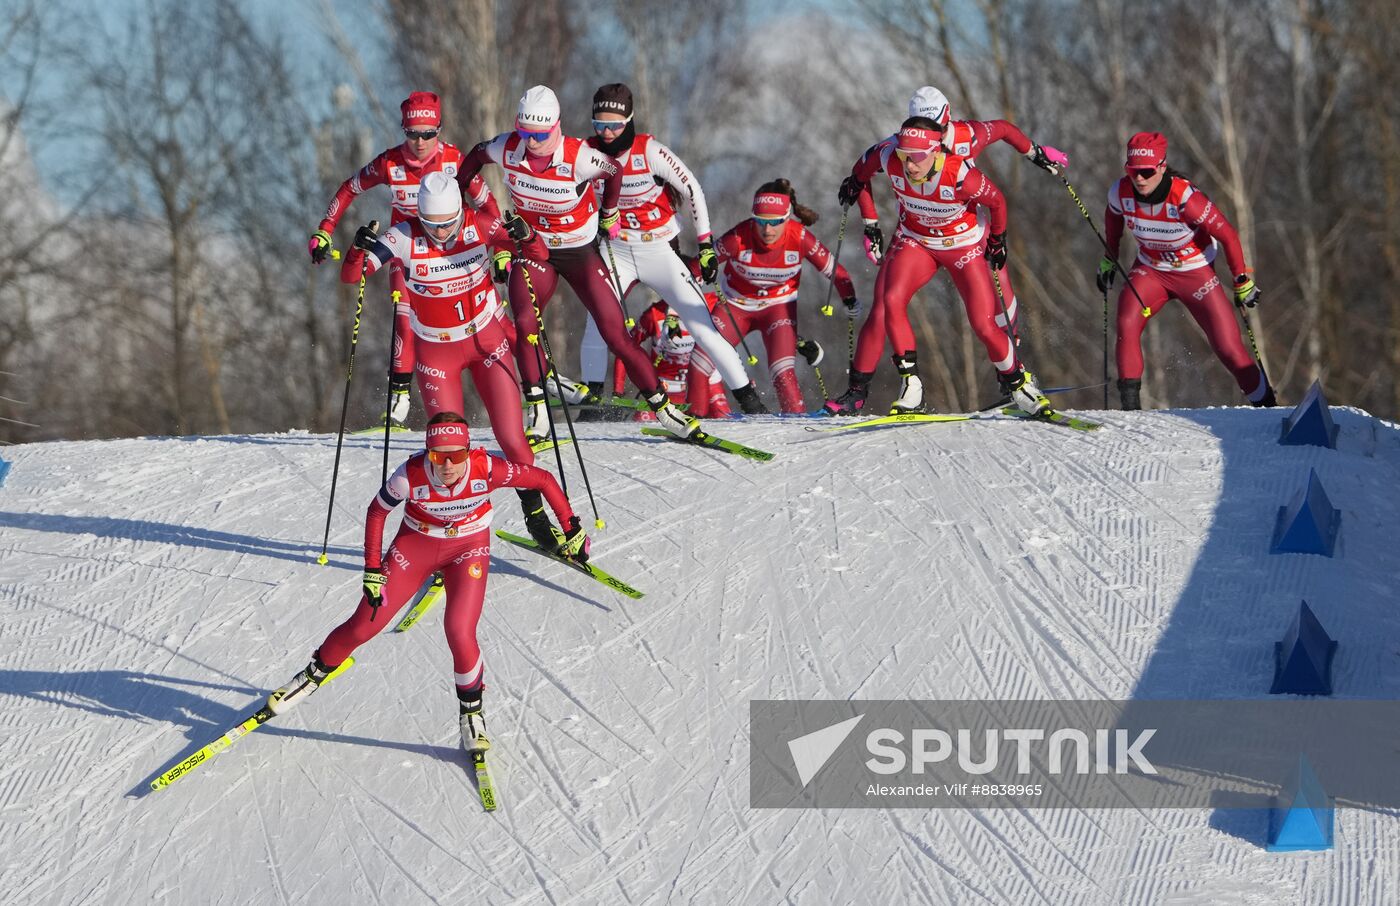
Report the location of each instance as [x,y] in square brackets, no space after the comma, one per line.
[996,251]
[500,266]
[319,246]
[572,543]
[1246,293]
[1107,272]
[518,229]
[709,262]
[373,584]
[850,191]
[367,236]
[874,243]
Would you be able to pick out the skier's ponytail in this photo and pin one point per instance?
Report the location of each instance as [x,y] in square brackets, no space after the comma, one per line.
[803,214]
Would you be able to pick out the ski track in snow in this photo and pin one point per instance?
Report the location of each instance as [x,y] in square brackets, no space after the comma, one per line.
[152,591]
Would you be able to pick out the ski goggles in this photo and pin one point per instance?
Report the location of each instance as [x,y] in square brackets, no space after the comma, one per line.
[1142,172]
[437,227]
[605,125]
[456,457]
[531,136]
[770,221]
[423,136]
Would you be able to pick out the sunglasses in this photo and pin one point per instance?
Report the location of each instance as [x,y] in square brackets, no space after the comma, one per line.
[770,222]
[1144,173]
[916,156]
[436,227]
[423,136]
[456,457]
[534,136]
[605,125]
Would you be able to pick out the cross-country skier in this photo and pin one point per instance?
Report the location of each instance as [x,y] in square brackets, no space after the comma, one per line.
[653,178]
[402,168]
[663,330]
[1177,228]
[938,227]
[550,178]
[964,138]
[761,268]
[446,492]
[456,322]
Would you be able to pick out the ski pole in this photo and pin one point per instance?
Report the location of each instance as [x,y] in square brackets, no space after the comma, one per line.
[826,308]
[617,286]
[389,391]
[542,349]
[345,400]
[1253,344]
[1110,254]
[1105,348]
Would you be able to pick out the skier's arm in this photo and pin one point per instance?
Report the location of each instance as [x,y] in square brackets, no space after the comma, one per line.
[864,171]
[664,161]
[499,238]
[594,164]
[487,152]
[383,252]
[980,190]
[503,473]
[480,198]
[821,259]
[1202,214]
[383,503]
[367,177]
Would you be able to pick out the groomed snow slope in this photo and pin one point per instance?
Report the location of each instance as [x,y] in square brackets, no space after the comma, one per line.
[152,590]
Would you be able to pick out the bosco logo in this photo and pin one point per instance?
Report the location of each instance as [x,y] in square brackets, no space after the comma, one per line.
[974,252]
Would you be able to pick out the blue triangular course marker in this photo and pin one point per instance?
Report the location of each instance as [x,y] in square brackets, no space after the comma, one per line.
[1308,525]
[1310,422]
[4,470]
[1303,660]
[1302,817]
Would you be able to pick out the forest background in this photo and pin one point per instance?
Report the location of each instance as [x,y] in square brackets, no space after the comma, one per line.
[162,164]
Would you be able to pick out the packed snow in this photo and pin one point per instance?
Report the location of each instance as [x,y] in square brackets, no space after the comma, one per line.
[153,590]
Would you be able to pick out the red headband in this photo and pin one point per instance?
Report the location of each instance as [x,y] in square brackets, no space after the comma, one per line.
[447,434]
[918,143]
[771,205]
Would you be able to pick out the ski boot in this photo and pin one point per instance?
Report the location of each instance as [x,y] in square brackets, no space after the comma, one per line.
[1268,400]
[572,392]
[853,400]
[537,521]
[911,389]
[300,687]
[747,398]
[810,350]
[536,415]
[1020,386]
[397,415]
[473,724]
[1129,394]
[671,418]
[592,414]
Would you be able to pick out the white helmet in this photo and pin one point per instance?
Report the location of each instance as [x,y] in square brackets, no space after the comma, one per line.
[538,110]
[439,203]
[930,102]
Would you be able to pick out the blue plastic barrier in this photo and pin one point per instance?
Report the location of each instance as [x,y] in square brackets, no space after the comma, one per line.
[1309,524]
[1303,816]
[1310,422]
[1303,660]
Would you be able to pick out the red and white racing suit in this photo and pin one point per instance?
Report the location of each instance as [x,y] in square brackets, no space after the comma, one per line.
[760,283]
[398,169]
[1176,238]
[446,530]
[456,321]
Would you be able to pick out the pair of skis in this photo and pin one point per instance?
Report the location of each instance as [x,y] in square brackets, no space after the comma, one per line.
[1049,417]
